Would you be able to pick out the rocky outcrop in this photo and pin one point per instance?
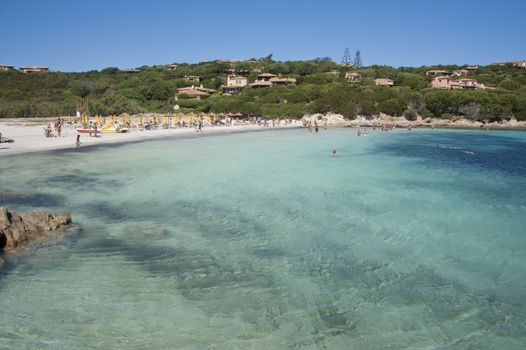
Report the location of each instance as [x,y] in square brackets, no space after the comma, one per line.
[331,120]
[455,122]
[19,228]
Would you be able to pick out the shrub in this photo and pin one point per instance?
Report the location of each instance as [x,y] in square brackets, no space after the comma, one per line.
[410,114]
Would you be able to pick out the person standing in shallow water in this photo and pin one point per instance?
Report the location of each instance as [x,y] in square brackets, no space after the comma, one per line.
[77,143]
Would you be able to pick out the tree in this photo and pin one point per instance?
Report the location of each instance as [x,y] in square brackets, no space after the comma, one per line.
[267,59]
[473,111]
[346,59]
[83,88]
[277,68]
[358,59]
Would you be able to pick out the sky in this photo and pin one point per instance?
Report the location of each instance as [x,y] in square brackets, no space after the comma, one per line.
[82,35]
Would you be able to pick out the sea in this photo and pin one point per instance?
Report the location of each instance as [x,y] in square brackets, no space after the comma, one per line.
[263,240]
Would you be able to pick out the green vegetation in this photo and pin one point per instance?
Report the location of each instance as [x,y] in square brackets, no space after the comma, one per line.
[321,87]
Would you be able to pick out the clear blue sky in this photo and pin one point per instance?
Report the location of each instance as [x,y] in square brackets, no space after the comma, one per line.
[77,35]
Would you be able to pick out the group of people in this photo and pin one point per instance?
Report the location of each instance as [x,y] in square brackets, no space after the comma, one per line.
[313,126]
[54,129]
[93,128]
[171,123]
[384,127]
[362,132]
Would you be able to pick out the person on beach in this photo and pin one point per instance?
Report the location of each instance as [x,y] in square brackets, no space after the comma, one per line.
[47,131]
[77,143]
[199,126]
[315,126]
[58,127]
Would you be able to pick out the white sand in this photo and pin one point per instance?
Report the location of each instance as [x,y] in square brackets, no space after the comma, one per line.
[29,139]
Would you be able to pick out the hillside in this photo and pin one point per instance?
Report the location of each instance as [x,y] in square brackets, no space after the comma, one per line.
[321,85]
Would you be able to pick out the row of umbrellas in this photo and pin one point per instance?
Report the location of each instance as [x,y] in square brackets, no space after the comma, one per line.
[126,117]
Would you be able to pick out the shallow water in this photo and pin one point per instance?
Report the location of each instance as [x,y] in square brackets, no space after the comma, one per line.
[263,241]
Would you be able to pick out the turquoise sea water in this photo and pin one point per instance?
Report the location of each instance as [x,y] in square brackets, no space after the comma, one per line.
[263,241]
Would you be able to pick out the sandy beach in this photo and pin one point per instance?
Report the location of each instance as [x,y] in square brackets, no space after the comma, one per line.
[30,138]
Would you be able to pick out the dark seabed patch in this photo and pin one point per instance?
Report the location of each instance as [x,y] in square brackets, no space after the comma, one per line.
[488,152]
[23,199]
[81,181]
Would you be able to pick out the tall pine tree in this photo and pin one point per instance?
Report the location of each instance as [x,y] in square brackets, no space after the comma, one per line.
[346,59]
[358,59]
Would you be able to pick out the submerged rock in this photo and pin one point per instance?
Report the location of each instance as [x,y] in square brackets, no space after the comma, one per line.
[146,230]
[19,228]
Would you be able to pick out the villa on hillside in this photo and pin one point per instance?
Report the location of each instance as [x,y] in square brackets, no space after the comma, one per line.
[34,69]
[6,67]
[353,77]
[518,64]
[269,79]
[231,69]
[384,82]
[260,83]
[266,76]
[461,72]
[192,78]
[234,84]
[282,81]
[195,93]
[131,70]
[449,84]
[475,67]
[435,72]
[170,66]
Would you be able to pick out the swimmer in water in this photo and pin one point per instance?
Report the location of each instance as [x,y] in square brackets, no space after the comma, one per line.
[333,154]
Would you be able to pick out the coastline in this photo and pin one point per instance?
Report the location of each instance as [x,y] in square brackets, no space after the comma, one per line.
[30,139]
[430,123]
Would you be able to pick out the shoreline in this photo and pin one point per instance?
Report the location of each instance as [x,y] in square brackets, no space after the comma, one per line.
[30,139]
[436,123]
[28,135]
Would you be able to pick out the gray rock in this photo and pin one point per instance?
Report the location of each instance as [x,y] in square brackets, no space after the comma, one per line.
[19,228]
